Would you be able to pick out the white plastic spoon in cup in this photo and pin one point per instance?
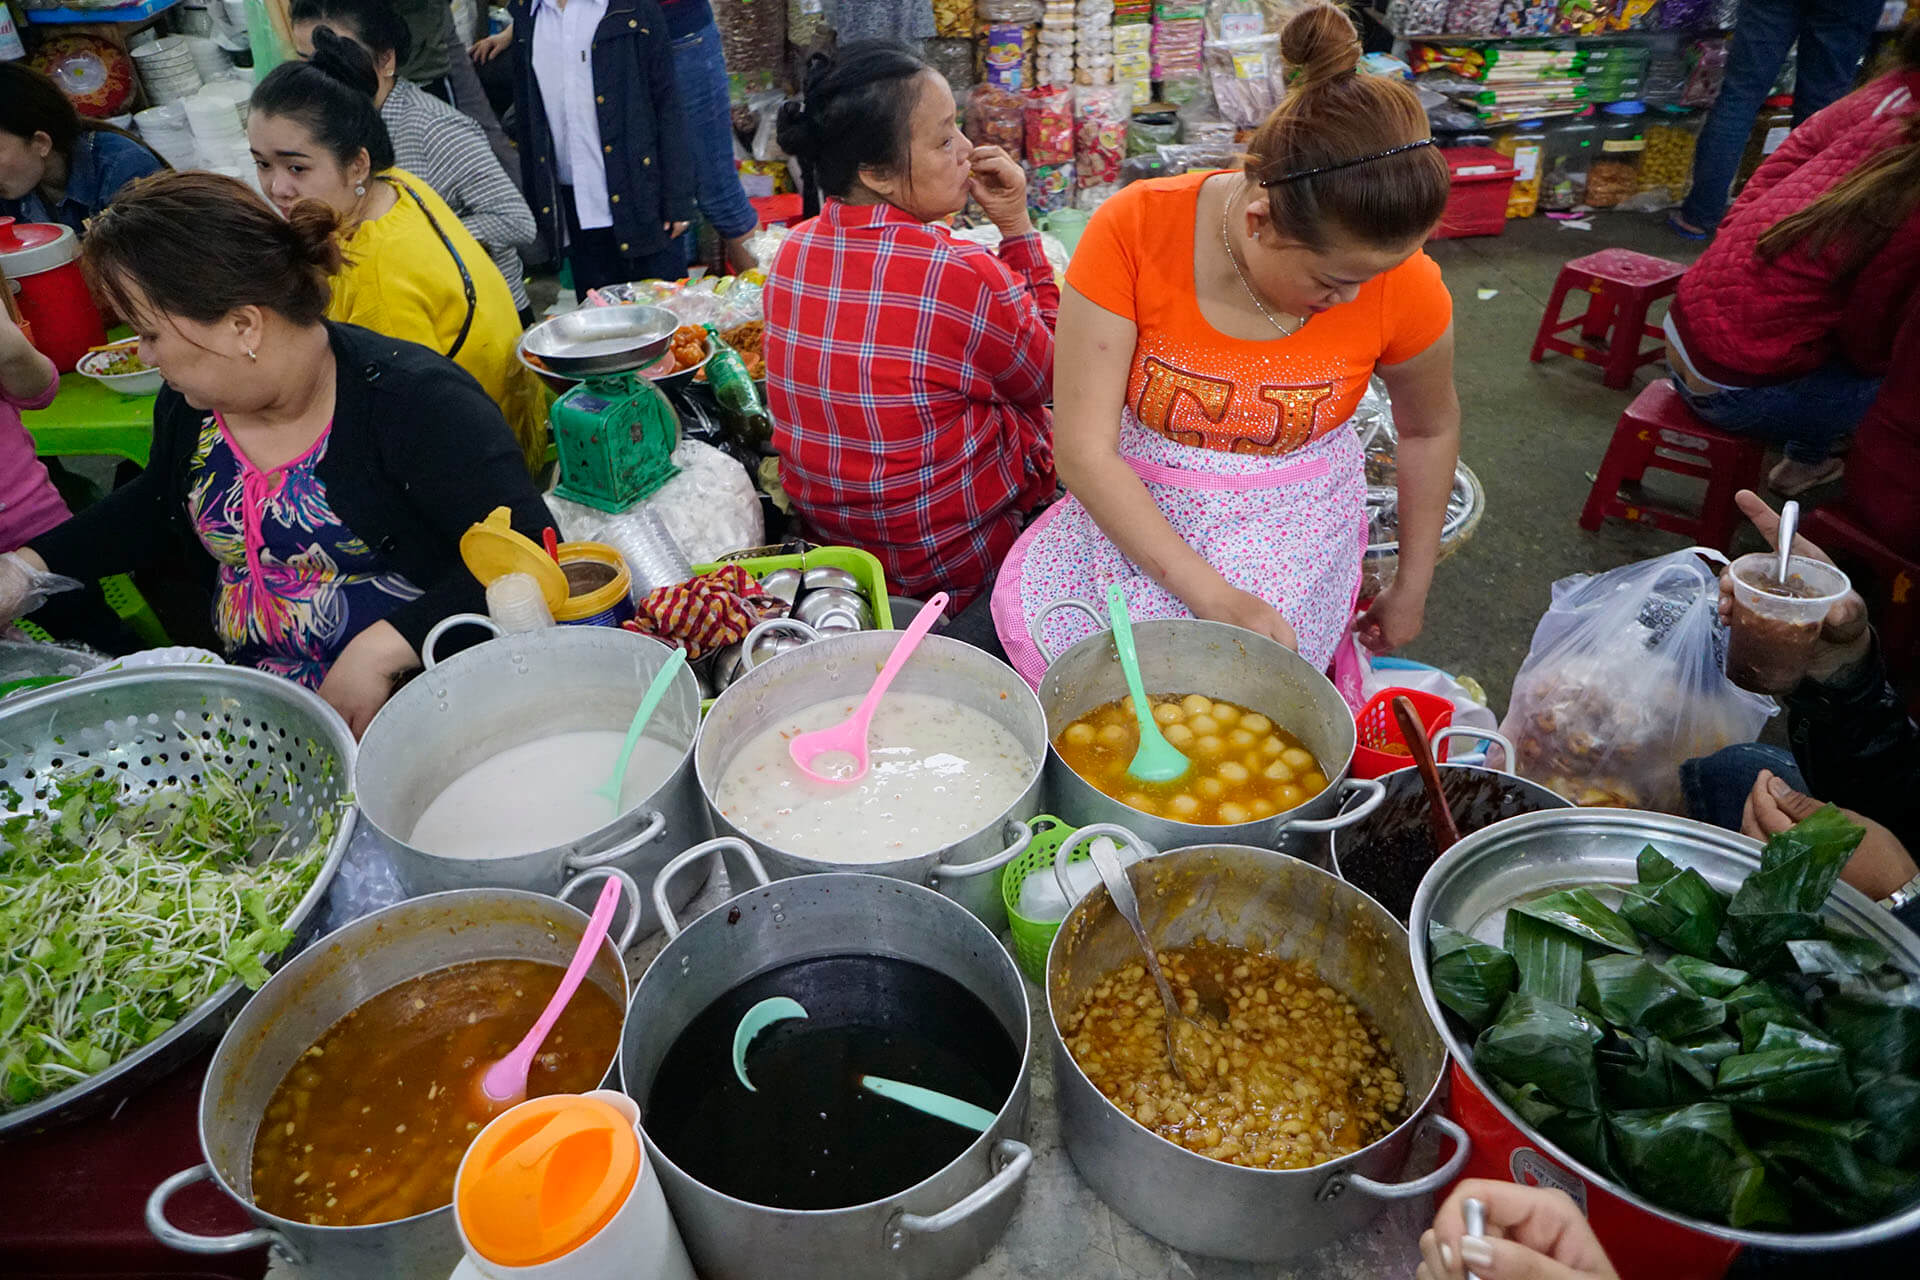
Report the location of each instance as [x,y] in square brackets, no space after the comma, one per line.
[615,785]
[505,1082]
[844,745]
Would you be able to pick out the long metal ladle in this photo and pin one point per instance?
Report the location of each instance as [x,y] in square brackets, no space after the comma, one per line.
[1184,1050]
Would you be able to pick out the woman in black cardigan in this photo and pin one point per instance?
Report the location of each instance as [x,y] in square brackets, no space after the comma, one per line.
[328,470]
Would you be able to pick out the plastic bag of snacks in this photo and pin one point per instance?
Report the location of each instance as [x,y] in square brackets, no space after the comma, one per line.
[1049,187]
[753,37]
[1708,67]
[1093,44]
[1151,129]
[1088,199]
[1049,118]
[1008,47]
[1248,80]
[1419,17]
[1666,166]
[1176,47]
[997,118]
[1100,115]
[953,19]
[1133,59]
[954,60]
[1021,11]
[1471,16]
[1625,679]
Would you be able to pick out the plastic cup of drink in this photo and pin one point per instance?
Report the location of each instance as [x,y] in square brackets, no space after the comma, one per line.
[1772,632]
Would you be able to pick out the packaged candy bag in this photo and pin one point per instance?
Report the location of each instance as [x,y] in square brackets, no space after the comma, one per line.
[1049,126]
[1100,115]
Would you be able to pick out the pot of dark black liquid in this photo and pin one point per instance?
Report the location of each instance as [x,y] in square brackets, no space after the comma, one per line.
[1386,854]
[807,1173]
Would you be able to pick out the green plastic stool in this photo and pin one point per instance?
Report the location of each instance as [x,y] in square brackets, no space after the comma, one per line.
[1032,938]
[132,608]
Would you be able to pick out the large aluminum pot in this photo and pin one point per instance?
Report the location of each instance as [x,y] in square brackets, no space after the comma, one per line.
[329,980]
[939,1228]
[1366,855]
[844,666]
[518,689]
[1473,884]
[1188,655]
[1268,901]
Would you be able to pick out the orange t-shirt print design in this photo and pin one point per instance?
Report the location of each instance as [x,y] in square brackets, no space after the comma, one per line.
[1192,408]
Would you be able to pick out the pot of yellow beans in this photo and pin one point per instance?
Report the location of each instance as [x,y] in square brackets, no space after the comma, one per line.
[1270,738]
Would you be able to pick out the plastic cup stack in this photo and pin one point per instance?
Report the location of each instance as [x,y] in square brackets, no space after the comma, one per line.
[208,57]
[167,69]
[193,20]
[514,601]
[165,129]
[653,557]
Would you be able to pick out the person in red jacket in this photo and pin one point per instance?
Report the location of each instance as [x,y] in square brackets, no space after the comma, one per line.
[1784,326]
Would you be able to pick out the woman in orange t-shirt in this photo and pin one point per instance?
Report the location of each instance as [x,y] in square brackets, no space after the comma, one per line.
[1215,335]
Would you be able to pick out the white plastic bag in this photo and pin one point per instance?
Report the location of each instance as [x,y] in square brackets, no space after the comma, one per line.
[1625,679]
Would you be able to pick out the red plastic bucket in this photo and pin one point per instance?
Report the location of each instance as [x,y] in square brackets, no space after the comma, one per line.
[1638,1242]
[1377,732]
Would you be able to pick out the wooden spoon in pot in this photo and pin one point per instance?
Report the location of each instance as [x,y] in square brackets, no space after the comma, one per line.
[1445,833]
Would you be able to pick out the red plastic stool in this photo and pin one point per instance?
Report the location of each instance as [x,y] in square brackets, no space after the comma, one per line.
[1623,285]
[1659,433]
[1891,593]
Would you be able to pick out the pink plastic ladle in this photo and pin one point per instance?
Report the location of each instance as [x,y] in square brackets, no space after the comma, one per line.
[849,737]
[505,1082]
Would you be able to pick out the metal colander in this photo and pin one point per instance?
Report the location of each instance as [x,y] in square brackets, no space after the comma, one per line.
[160,727]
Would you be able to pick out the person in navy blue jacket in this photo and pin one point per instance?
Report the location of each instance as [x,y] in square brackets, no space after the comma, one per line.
[603,144]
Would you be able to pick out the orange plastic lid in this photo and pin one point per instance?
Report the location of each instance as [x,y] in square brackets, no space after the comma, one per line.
[542,1179]
[492,549]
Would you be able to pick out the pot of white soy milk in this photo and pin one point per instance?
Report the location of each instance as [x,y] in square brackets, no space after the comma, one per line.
[480,773]
[957,747]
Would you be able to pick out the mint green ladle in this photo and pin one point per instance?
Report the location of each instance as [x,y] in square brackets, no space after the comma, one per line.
[1157,760]
[616,783]
[931,1102]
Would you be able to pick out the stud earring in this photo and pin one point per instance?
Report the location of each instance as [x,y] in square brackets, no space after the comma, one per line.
[360,189]
[251,355]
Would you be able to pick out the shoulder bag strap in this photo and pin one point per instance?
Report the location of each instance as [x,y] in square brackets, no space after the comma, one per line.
[466,277]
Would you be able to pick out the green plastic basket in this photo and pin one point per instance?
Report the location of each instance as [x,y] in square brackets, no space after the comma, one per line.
[1031,938]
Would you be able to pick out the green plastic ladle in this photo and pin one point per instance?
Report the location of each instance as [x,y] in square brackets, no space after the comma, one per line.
[616,784]
[1157,760]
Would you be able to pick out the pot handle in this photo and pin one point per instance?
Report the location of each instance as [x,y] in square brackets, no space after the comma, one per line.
[629,890]
[1100,623]
[1022,838]
[1493,736]
[193,1242]
[724,844]
[1447,1172]
[1132,849]
[1375,791]
[656,823]
[761,628]
[1014,1159]
[448,623]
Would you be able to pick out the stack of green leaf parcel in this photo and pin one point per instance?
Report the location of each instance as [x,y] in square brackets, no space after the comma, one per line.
[1736,1059]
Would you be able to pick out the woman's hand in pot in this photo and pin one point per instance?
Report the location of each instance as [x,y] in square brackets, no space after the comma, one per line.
[1000,185]
[361,678]
[1532,1234]
[1240,608]
[1394,618]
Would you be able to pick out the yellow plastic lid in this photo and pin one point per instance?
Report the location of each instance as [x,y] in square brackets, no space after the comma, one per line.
[493,550]
[541,1180]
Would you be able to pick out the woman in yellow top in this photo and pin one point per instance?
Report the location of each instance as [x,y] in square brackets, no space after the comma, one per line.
[413,271]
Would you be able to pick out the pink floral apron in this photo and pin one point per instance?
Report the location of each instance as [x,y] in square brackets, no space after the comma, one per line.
[1292,534]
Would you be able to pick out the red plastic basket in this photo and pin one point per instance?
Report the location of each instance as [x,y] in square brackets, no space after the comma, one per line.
[1379,731]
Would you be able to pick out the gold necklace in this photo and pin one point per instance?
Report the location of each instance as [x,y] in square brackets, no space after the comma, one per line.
[1226,241]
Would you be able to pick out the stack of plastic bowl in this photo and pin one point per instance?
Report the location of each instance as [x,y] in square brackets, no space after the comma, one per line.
[217,132]
[167,69]
[208,56]
[166,130]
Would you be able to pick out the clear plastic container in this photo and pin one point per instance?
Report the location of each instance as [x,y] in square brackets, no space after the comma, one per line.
[1666,166]
[1571,145]
[1614,172]
[1525,144]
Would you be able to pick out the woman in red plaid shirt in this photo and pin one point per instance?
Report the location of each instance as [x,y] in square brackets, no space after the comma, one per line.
[908,373]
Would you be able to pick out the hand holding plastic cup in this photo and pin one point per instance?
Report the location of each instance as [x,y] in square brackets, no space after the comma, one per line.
[1773,627]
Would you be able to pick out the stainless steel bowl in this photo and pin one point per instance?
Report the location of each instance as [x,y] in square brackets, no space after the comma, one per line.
[600,339]
[1473,884]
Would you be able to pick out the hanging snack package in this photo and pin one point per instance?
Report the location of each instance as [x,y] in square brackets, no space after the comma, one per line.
[954,60]
[1049,122]
[1625,680]
[1049,187]
[1707,61]
[1176,48]
[1248,80]
[997,118]
[1007,52]
[753,39]
[953,19]
[1154,126]
[1100,115]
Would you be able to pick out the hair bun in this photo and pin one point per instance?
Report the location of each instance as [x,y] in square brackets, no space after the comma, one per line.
[344,60]
[1319,44]
[313,226]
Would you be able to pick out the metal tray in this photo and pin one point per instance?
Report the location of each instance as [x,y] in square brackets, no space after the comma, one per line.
[1473,884]
[600,339]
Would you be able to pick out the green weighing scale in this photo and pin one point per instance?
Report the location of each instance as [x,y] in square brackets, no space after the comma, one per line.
[615,429]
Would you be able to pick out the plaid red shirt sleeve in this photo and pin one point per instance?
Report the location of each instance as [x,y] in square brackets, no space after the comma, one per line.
[908,375]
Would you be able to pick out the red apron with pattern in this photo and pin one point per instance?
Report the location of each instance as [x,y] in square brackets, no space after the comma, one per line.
[1292,534]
